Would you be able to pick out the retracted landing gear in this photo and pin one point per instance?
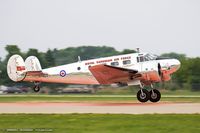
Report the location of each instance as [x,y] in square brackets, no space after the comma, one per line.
[36,88]
[155,95]
[143,95]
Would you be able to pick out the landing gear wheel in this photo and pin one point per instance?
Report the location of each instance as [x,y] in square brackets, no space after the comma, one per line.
[36,88]
[143,95]
[155,95]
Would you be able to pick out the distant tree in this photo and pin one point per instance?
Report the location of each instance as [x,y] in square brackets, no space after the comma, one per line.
[1,70]
[49,57]
[12,49]
[194,73]
[40,56]
[128,51]
[89,52]
[174,55]
[70,54]
[33,52]
[181,76]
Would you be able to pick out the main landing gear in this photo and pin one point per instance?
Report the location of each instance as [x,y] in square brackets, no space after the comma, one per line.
[36,88]
[144,95]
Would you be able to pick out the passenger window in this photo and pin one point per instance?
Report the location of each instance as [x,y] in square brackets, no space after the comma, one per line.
[126,62]
[114,63]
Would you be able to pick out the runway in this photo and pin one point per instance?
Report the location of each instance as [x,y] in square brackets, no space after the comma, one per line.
[108,108]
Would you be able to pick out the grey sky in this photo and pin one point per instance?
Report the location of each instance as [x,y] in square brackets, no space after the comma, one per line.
[156,26]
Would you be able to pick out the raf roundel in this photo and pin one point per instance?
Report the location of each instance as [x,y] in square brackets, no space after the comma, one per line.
[63,73]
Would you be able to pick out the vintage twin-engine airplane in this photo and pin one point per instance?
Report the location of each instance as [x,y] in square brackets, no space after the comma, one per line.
[129,69]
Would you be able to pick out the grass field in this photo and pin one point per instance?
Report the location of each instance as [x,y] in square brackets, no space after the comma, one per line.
[130,91]
[92,98]
[100,123]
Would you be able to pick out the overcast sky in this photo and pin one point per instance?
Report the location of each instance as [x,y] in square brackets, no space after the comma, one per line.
[156,26]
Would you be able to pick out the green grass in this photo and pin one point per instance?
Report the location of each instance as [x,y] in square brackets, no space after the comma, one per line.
[102,123]
[91,98]
[130,91]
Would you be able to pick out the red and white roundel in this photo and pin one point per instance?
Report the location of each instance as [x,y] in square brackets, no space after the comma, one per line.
[63,73]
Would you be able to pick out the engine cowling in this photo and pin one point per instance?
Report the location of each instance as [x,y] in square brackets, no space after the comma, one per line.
[164,74]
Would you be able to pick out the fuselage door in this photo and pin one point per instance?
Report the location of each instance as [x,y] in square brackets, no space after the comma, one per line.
[140,61]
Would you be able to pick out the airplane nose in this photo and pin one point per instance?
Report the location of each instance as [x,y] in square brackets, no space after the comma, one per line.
[176,63]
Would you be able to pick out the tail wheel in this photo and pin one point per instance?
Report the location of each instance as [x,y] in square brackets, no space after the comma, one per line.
[143,95]
[36,88]
[155,95]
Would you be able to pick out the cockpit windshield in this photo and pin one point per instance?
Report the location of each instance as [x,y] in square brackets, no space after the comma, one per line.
[146,57]
[149,57]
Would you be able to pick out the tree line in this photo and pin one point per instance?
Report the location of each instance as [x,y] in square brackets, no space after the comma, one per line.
[188,76]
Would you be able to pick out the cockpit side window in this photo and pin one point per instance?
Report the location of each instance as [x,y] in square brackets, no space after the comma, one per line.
[140,59]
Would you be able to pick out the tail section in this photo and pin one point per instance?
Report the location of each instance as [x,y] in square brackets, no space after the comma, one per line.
[16,68]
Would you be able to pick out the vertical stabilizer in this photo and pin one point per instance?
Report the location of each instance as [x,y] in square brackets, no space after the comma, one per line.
[33,64]
[16,68]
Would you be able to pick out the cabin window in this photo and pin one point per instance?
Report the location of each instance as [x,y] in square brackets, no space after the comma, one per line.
[114,63]
[126,62]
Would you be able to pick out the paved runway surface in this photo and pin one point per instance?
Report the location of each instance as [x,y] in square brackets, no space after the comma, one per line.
[114,108]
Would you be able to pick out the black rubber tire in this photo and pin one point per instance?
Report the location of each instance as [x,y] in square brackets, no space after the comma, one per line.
[36,88]
[144,98]
[156,97]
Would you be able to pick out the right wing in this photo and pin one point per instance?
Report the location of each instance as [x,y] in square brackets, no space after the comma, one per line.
[106,74]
